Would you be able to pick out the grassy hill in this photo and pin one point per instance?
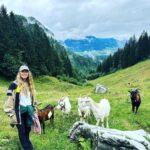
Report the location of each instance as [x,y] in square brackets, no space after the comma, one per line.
[49,90]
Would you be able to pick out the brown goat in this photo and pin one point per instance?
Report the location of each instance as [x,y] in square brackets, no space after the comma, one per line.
[135,99]
[47,113]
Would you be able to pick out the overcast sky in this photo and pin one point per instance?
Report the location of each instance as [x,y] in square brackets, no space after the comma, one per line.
[120,19]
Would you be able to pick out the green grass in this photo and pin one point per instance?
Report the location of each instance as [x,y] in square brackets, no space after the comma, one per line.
[49,90]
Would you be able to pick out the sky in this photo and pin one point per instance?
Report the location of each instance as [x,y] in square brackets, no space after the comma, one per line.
[120,19]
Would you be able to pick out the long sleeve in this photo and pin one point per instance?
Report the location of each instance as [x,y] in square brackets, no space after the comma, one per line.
[9,104]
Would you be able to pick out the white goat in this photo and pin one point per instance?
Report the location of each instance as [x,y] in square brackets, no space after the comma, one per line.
[64,105]
[83,108]
[100,110]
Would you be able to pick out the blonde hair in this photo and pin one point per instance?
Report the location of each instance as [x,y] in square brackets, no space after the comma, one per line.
[26,86]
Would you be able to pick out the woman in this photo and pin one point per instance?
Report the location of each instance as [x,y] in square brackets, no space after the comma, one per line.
[19,104]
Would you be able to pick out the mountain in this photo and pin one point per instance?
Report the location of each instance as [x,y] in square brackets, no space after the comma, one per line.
[31,21]
[92,43]
[78,62]
[92,47]
[85,65]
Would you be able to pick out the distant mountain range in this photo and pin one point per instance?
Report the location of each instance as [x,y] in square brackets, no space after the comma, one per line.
[92,43]
[89,47]
[93,47]
[78,62]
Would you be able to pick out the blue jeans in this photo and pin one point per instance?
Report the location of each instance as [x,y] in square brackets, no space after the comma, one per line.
[23,132]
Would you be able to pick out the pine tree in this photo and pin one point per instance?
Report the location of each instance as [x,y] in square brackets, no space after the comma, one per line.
[142,47]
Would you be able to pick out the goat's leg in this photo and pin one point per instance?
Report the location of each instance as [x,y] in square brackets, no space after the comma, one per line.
[81,118]
[98,121]
[43,127]
[85,116]
[133,108]
[136,109]
[52,120]
[102,120]
[107,126]
[137,106]
[80,115]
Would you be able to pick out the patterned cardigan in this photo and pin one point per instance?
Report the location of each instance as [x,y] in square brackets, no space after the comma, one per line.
[12,105]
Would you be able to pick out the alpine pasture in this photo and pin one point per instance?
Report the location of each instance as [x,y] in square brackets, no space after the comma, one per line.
[50,90]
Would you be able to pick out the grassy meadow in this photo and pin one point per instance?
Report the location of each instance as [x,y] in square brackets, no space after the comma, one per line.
[49,90]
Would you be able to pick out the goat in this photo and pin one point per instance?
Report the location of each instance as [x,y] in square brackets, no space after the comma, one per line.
[100,110]
[135,99]
[47,113]
[64,105]
[83,109]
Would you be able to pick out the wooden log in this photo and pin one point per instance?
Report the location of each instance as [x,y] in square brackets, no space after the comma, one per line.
[112,139]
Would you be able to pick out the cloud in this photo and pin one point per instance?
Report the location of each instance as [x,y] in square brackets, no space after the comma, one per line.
[78,18]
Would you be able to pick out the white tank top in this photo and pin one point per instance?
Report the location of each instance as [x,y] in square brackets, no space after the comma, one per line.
[25,100]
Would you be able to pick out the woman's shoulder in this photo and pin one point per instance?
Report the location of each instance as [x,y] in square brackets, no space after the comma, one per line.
[13,84]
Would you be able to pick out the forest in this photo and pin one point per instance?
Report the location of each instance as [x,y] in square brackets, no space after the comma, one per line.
[28,44]
[134,51]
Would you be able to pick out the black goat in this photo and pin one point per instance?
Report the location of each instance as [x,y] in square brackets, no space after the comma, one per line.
[135,99]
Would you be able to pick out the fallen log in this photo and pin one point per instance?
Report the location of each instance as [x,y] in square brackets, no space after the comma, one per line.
[110,139]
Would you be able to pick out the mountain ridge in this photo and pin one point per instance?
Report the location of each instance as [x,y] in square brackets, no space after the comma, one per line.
[89,43]
[78,62]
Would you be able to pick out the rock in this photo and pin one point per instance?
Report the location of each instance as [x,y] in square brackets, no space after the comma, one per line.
[100,89]
[112,139]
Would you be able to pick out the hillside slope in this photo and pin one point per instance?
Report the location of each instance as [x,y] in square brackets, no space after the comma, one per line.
[137,76]
[49,90]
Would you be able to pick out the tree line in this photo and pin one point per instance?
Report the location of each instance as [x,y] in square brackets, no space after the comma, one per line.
[134,51]
[28,44]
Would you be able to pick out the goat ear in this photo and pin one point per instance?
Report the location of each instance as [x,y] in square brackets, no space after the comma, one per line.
[138,90]
[37,103]
[62,97]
